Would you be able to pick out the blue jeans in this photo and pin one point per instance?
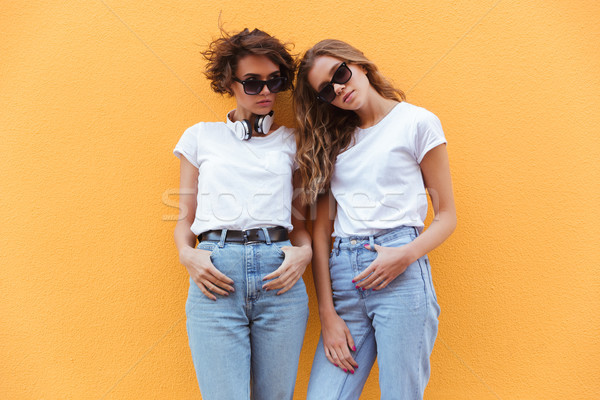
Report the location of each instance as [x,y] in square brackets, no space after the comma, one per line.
[248,342]
[397,324]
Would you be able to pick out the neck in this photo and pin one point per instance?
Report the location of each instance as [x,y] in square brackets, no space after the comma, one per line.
[239,114]
[375,109]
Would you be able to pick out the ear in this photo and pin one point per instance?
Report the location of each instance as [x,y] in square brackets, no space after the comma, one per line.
[229,89]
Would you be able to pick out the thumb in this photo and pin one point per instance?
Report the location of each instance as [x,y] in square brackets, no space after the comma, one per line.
[350,341]
[375,248]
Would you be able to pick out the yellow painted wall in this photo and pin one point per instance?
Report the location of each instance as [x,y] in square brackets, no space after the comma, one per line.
[95,94]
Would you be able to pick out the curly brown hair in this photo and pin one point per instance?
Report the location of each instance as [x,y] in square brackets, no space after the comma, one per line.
[224,53]
[324,131]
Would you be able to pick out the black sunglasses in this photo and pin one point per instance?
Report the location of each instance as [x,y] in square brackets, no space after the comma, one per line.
[341,75]
[254,86]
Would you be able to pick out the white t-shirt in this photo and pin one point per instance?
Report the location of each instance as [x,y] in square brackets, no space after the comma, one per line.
[241,184]
[377,182]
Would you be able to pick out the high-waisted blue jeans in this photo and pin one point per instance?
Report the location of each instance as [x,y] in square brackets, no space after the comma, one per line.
[397,325]
[250,341]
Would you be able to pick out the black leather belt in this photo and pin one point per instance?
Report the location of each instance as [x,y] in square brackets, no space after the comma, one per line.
[277,234]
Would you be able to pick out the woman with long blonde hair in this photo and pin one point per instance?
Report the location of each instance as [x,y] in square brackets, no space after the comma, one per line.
[366,157]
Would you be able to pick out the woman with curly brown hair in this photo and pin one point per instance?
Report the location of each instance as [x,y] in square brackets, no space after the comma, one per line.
[375,154]
[247,305]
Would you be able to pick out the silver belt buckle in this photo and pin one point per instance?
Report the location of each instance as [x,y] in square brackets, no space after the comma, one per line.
[246,241]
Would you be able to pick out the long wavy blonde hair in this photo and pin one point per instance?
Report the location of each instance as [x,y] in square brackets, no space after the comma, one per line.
[323,130]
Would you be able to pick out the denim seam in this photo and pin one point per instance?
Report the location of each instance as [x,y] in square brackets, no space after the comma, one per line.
[418,388]
[430,275]
[277,248]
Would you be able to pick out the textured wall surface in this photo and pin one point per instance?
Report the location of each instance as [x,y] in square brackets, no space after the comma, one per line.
[95,94]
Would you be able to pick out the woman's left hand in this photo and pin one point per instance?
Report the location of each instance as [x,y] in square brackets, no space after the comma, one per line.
[390,262]
[293,266]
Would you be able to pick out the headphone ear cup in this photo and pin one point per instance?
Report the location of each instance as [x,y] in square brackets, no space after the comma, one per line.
[241,129]
[247,128]
[262,123]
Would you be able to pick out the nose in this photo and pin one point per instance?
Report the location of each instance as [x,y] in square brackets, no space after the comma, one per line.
[265,90]
[338,88]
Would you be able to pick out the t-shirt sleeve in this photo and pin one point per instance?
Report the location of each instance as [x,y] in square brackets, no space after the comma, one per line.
[188,146]
[429,134]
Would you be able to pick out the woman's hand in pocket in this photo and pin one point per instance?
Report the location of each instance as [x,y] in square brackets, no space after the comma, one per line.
[293,266]
[202,271]
[390,262]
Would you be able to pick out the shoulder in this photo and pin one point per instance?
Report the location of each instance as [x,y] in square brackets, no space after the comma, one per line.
[288,133]
[204,128]
[288,136]
[421,116]
[207,131]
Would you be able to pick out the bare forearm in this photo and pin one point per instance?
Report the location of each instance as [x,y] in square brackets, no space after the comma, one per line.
[436,173]
[440,229]
[184,237]
[300,237]
[321,276]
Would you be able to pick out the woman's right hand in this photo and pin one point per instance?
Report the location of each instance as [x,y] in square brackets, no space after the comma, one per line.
[338,342]
[202,271]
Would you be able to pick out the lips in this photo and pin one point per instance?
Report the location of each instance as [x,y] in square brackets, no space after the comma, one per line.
[347,97]
[265,102]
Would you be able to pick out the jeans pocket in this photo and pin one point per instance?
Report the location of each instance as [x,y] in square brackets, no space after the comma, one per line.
[276,246]
[208,246]
[424,261]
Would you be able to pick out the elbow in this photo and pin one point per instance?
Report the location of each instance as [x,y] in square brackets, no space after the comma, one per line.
[452,223]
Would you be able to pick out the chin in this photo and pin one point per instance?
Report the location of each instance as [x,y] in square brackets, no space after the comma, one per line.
[262,110]
[353,106]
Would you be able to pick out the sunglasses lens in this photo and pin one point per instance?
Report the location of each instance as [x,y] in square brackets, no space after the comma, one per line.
[327,94]
[342,75]
[276,85]
[253,87]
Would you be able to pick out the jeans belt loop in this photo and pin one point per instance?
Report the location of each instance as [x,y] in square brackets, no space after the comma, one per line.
[223,237]
[267,237]
[336,244]
[372,242]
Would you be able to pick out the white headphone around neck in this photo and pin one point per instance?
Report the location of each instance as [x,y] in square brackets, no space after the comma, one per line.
[243,128]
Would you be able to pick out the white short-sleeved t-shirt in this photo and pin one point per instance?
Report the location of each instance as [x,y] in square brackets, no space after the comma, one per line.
[241,184]
[377,182]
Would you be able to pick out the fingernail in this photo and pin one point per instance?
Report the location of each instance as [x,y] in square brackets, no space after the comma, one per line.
[345,370]
[335,365]
[356,367]
[353,348]
[352,372]
[353,281]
